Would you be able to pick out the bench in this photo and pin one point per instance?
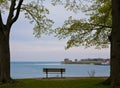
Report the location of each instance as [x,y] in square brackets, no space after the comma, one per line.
[54,70]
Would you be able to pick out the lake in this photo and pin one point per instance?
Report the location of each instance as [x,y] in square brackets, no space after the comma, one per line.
[35,69]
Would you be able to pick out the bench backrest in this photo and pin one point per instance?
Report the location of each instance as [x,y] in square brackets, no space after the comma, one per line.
[53,69]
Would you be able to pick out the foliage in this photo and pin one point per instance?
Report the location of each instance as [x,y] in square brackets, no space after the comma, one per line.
[35,12]
[38,13]
[72,5]
[92,31]
[57,83]
[91,73]
[3,5]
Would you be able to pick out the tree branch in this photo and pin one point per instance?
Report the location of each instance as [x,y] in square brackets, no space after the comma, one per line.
[1,21]
[31,15]
[18,11]
[100,25]
[11,12]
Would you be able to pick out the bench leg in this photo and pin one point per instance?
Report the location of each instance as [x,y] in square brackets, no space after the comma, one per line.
[61,75]
[46,74]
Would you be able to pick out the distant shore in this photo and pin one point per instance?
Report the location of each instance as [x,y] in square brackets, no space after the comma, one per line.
[95,61]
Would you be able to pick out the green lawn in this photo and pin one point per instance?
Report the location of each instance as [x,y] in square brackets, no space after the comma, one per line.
[57,83]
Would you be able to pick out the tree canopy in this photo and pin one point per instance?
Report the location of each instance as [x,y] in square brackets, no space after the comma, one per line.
[92,31]
[33,10]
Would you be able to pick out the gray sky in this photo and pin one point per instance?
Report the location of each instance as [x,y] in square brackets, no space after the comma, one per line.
[25,47]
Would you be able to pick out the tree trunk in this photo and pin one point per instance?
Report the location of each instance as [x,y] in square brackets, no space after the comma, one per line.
[4,59]
[115,48]
[14,11]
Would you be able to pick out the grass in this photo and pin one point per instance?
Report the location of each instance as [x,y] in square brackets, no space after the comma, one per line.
[57,83]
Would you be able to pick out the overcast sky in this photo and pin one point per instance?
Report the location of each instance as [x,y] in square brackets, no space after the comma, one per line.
[25,47]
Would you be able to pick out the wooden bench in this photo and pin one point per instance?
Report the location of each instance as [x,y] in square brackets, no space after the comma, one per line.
[54,70]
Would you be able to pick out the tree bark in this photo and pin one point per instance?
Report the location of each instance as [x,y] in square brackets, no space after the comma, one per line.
[4,59]
[115,48]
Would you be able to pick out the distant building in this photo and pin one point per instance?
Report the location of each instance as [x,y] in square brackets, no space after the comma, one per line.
[76,60]
[66,60]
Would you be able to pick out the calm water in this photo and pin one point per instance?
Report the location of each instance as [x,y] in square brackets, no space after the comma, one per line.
[35,69]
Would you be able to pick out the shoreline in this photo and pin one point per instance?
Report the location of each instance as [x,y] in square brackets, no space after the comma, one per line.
[64,78]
